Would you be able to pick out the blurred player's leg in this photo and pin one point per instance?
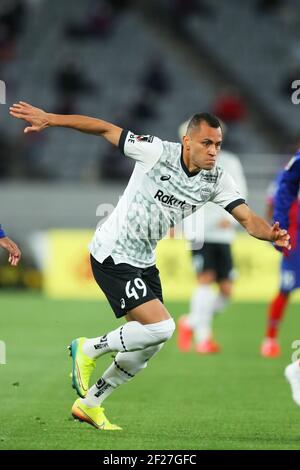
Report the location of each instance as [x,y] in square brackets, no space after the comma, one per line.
[199,321]
[292,374]
[289,281]
[212,263]
[270,346]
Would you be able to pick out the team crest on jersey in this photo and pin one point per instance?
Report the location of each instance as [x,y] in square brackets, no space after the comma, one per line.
[145,138]
[205,192]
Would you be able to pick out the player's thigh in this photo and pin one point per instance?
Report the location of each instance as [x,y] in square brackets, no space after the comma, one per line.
[154,310]
[290,272]
[149,312]
[123,286]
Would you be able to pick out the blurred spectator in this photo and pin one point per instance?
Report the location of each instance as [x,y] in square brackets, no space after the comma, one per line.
[98,24]
[12,16]
[70,81]
[155,77]
[181,9]
[143,107]
[268,6]
[6,154]
[119,5]
[230,107]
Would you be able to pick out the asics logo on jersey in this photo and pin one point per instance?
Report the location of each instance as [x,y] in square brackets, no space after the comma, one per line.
[172,201]
[165,177]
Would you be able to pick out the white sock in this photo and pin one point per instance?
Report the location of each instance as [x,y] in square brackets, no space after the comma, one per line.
[125,366]
[202,311]
[132,336]
[221,303]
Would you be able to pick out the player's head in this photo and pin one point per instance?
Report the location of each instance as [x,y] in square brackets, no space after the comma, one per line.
[203,140]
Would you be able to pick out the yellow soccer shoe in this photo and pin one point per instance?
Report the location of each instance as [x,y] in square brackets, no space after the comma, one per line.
[82,367]
[94,416]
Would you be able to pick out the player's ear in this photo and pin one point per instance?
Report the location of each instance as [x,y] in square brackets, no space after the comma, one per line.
[186,140]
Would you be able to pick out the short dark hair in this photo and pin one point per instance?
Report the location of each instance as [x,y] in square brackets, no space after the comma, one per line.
[196,120]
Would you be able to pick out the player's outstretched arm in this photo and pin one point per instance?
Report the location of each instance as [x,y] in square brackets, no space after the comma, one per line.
[259,228]
[39,120]
[13,250]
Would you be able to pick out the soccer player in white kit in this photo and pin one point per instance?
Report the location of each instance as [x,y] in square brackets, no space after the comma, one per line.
[168,183]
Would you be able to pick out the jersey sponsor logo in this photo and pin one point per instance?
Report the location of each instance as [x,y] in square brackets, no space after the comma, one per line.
[165,177]
[210,178]
[172,201]
[145,138]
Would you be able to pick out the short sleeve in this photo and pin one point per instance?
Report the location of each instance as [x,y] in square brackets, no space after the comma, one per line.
[227,194]
[145,149]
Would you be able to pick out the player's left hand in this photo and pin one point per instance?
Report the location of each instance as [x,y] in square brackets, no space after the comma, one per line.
[280,237]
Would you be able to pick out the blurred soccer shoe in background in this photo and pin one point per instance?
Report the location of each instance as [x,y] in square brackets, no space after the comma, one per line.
[209,346]
[270,348]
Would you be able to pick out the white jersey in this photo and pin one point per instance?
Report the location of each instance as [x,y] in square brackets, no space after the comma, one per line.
[160,193]
[212,215]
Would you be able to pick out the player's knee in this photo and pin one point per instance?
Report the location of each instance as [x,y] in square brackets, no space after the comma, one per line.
[162,331]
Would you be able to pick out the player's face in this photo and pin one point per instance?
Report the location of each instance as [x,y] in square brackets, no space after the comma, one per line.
[204,146]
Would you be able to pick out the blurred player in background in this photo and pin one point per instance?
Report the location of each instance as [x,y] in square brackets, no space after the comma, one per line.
[283,205]
[292,374]
[167,183]
[212,262]
[11,247]
[286,210]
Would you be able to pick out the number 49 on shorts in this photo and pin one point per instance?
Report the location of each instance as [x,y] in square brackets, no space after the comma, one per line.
[136,288]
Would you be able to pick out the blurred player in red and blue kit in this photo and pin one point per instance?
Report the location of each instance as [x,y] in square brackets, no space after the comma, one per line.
[285,202]
[287,212]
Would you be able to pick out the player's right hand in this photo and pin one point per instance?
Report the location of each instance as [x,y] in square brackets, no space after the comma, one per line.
[37,118]
[13,250]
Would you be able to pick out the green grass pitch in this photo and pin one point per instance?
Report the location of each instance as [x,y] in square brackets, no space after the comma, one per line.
[233,400]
